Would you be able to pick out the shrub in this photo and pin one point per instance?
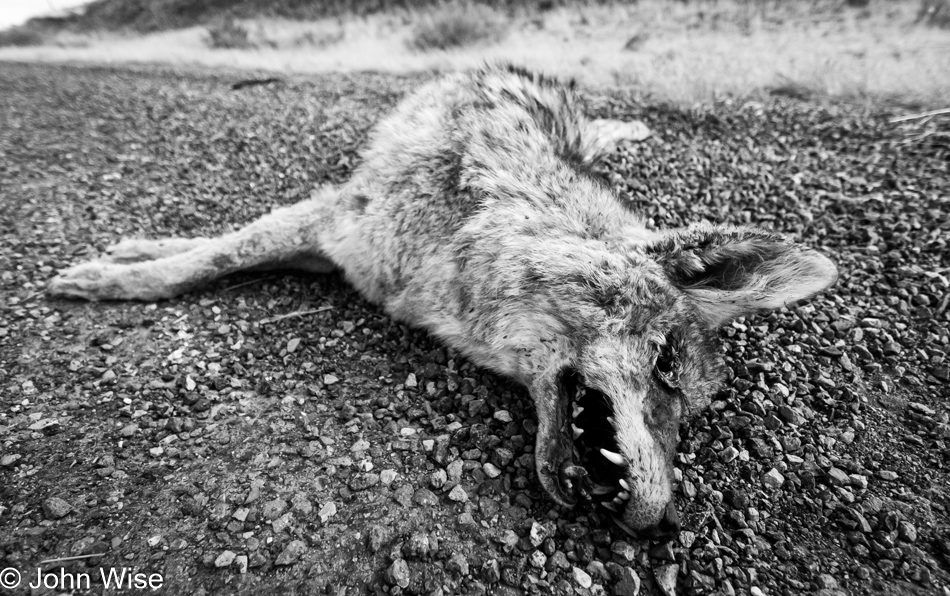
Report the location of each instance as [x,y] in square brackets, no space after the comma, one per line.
[457,25]
[228,34]
[23,35]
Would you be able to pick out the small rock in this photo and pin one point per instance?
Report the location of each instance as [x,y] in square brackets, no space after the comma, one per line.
[274,509]
[225,559]
[240,562]
[537,534]
[458,494]
[663,552]
[9,459]
[773,479]
[582,578]
[424,497]
[416,546]
[398,574]
[666,578]
[327,511]
[491,571]
[838,477]
[376,536]
[329,379]
[387,477]
[292,345]
[887,475]
[128,430]
[56,508]
[729,454]
[457,565]
[438,478]
[537,559]
[906,531]
[291,553]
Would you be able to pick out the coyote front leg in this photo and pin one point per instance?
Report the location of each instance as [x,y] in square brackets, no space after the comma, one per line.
[284,239]
[601,136]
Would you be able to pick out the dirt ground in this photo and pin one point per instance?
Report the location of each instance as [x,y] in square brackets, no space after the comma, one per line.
[277,434]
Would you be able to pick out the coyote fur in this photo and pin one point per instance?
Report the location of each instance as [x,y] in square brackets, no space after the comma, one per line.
[474,215]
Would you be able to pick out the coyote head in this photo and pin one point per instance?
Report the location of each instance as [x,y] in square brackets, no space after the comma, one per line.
[640,353]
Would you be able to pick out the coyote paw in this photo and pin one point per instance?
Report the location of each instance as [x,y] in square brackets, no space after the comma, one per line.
[634,131]
[95,280]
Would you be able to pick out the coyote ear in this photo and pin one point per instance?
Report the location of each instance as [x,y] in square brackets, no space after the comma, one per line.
[730,272]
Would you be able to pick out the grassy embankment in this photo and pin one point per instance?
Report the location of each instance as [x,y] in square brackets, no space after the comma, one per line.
[678,51]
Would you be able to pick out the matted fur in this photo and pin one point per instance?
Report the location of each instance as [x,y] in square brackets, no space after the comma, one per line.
[473,215]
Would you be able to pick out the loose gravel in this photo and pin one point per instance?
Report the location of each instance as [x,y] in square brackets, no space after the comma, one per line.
[276,433]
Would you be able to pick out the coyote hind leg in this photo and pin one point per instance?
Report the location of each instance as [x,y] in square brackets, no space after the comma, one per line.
[285,238]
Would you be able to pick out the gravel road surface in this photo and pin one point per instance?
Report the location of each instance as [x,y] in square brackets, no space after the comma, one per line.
[277,434]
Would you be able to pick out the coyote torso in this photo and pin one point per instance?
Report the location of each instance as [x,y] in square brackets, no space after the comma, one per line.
[474,215]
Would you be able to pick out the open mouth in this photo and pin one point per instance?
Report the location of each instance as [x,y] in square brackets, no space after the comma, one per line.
[596,474]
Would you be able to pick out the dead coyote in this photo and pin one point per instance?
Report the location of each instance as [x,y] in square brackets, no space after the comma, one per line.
[474,216]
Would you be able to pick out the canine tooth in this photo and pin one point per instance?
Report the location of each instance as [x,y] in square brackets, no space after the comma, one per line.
[614,458]
[610,420]
[581,391]
[600,489]
[623,495]
[623,483]
[577,411]
[577,431]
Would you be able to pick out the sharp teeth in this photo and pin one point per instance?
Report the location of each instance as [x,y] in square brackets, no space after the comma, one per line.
[610,420]
[623,483]
[623,495]
[577,411]
[577,431]
[600,489]
[581,391]
[614,458]
[610,507]
[569,484]
[617,501]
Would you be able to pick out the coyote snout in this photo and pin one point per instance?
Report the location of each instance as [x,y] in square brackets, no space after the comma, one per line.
[474,216]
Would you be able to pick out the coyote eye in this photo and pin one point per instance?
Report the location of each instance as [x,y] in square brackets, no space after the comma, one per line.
[666,367]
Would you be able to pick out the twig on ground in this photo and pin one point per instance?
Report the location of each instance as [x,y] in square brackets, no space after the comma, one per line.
[920,115]
[297,313]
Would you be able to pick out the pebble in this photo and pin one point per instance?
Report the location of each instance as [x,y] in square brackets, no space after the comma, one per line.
[424,497]
[458,494]
[773,479]
[457,564]
[537,559]
[398,574]
[225,559]
[666,578]
[438,478]
[581,577]
[291,553]
[56,508]
[327,511]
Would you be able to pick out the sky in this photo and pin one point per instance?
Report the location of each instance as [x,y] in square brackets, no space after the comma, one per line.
[15,12]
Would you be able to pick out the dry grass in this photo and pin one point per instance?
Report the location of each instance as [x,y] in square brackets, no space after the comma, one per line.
[676,51]
[457,26]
